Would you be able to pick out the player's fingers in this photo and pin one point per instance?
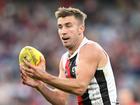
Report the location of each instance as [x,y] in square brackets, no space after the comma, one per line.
[23,74]
[23,79]
[22,71]
[25,82]
[29,65]
[20,67]
[26,70]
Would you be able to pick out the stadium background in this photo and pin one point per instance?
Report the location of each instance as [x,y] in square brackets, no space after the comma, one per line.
[115,24]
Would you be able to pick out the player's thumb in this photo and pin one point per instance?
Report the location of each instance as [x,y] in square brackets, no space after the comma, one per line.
[42,60]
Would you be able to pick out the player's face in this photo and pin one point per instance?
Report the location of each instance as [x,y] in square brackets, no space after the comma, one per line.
[69,30]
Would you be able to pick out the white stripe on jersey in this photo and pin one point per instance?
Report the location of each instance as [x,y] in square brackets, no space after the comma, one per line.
[108,73]
[94,93]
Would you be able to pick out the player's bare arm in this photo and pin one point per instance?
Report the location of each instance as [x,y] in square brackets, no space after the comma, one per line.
[49,94]
[89,59]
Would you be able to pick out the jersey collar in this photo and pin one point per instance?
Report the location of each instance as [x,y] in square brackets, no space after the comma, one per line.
[84,41]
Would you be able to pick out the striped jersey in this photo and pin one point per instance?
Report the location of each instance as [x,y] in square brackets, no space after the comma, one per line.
[101,89]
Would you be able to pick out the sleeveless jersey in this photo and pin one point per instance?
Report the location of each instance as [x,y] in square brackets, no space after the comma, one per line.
[101,89]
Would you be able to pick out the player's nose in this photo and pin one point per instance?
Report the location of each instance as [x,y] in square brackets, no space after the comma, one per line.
[64,31]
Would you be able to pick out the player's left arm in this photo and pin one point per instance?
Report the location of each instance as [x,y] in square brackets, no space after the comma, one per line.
[89,57]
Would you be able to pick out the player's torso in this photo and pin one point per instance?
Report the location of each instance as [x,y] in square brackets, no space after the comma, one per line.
[101,85]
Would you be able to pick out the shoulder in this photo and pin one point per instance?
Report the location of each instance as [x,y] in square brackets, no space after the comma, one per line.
[92,52]
[91,47]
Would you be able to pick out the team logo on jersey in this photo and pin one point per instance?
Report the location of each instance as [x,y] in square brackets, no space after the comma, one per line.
[73,70]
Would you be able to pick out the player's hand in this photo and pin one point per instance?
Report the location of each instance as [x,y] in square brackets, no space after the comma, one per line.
[26,80]
[35,72]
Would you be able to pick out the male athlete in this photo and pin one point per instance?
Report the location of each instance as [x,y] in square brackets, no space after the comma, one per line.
[84,70]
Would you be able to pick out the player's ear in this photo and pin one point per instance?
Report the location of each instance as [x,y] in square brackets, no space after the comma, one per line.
[81,28]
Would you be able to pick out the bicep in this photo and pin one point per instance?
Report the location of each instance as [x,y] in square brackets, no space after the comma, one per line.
[87,64]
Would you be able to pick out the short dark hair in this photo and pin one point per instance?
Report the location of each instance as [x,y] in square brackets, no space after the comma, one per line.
[63,12]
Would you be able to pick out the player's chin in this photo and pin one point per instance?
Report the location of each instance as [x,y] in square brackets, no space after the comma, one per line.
[68,46]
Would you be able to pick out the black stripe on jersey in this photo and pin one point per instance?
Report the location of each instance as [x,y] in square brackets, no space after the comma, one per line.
[99,75]
[72,66]
[86,100]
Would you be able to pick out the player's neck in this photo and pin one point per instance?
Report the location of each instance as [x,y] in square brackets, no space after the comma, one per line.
[73,49]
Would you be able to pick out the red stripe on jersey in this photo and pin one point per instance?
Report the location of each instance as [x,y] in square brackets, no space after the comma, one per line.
[67,67]
[80,99]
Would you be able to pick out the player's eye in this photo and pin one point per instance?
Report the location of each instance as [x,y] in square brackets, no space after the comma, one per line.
[59,26]
[68,25]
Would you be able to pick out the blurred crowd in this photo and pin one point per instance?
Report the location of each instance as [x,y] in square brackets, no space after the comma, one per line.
[114,24]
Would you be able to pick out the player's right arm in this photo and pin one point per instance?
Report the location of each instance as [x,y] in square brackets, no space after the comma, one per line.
[54,96]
